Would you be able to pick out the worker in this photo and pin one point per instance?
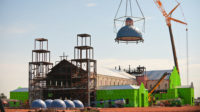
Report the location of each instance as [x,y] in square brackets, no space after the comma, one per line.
[1,106]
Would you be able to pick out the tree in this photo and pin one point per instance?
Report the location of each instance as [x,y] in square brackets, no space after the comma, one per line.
[3,96]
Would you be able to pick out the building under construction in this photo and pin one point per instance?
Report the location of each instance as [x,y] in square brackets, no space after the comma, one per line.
[66,80]
[71,79]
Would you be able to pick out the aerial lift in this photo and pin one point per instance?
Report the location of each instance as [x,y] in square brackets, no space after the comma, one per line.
[156,86]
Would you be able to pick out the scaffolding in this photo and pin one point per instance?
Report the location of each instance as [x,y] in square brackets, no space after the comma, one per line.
[38,68]
[84,60]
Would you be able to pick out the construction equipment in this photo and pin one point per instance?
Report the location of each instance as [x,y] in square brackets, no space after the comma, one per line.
[168,19]
[156,85]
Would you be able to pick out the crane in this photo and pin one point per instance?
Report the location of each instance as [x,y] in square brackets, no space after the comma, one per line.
[156,85]
[168,19]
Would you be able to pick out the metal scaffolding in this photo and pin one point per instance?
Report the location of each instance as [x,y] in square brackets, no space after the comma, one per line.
[84,59]
[38,68]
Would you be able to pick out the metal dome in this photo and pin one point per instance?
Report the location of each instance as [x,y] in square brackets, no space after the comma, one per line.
[69,104]
[78,104]
[38,104]
[129,32]
[48,102]
[57,103]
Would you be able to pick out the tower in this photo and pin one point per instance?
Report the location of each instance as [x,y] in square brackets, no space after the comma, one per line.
[38,68]
[84,59]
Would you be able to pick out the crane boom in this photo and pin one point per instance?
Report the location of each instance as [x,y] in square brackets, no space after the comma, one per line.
[168,19]
[157,84]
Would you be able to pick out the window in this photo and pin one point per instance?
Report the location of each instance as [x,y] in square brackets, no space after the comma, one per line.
[110,103]
[150,86]
[127,101]
[166,86]
[101,101]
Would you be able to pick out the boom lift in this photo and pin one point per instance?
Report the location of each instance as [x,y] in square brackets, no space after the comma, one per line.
[156,85]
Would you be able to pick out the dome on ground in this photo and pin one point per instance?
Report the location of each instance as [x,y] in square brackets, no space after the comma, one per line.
[38,104]
[57,103]
[48,102]
[69,104]
[78,104]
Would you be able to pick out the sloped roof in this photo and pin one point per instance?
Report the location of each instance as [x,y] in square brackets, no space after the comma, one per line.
[157,74]
[114,73]
[20,90]
[118,87]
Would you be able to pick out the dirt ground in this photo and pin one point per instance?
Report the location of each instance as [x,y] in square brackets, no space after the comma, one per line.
[154,109]
[131,109]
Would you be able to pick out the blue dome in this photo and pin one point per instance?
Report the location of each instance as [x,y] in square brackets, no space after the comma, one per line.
[129,19]
[78,104]
[69,104]
[38,104]
[57,103]
[48,102]
[129,33]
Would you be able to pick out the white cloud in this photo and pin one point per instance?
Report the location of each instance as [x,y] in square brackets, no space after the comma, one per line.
[16,29]
[91,5]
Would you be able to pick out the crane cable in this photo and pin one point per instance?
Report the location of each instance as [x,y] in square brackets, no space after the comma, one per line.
[128,4]
[187,55]
[143,29]
[187,49]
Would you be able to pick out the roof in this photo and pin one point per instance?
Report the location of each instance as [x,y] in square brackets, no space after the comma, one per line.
[157,74]
[84,35]
[118,87]
[20,90]
[185,86]
[114,73]
[41,39]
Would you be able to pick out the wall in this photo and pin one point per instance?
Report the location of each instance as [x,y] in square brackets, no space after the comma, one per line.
[142,79]
[103,80]
[22,96]
[136,97]
[176,91]
[164,85]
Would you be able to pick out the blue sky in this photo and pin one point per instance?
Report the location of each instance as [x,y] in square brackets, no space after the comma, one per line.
[21,21]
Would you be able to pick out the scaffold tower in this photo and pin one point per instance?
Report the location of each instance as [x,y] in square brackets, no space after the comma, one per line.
[84,59]
[38,68]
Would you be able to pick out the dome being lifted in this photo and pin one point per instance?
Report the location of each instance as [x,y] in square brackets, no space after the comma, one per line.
[129,33]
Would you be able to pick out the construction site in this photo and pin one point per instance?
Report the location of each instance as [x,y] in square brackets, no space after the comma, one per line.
[79,84]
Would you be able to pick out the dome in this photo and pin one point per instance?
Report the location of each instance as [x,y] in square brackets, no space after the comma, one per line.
[48,102]
[78,104]
[69,104]
[57,103]
[129,33]
[38,104]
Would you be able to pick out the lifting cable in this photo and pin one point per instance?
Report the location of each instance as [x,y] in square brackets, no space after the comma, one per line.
[143,29]
[127,7]
[118,9]
[187,50]
[131,8]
